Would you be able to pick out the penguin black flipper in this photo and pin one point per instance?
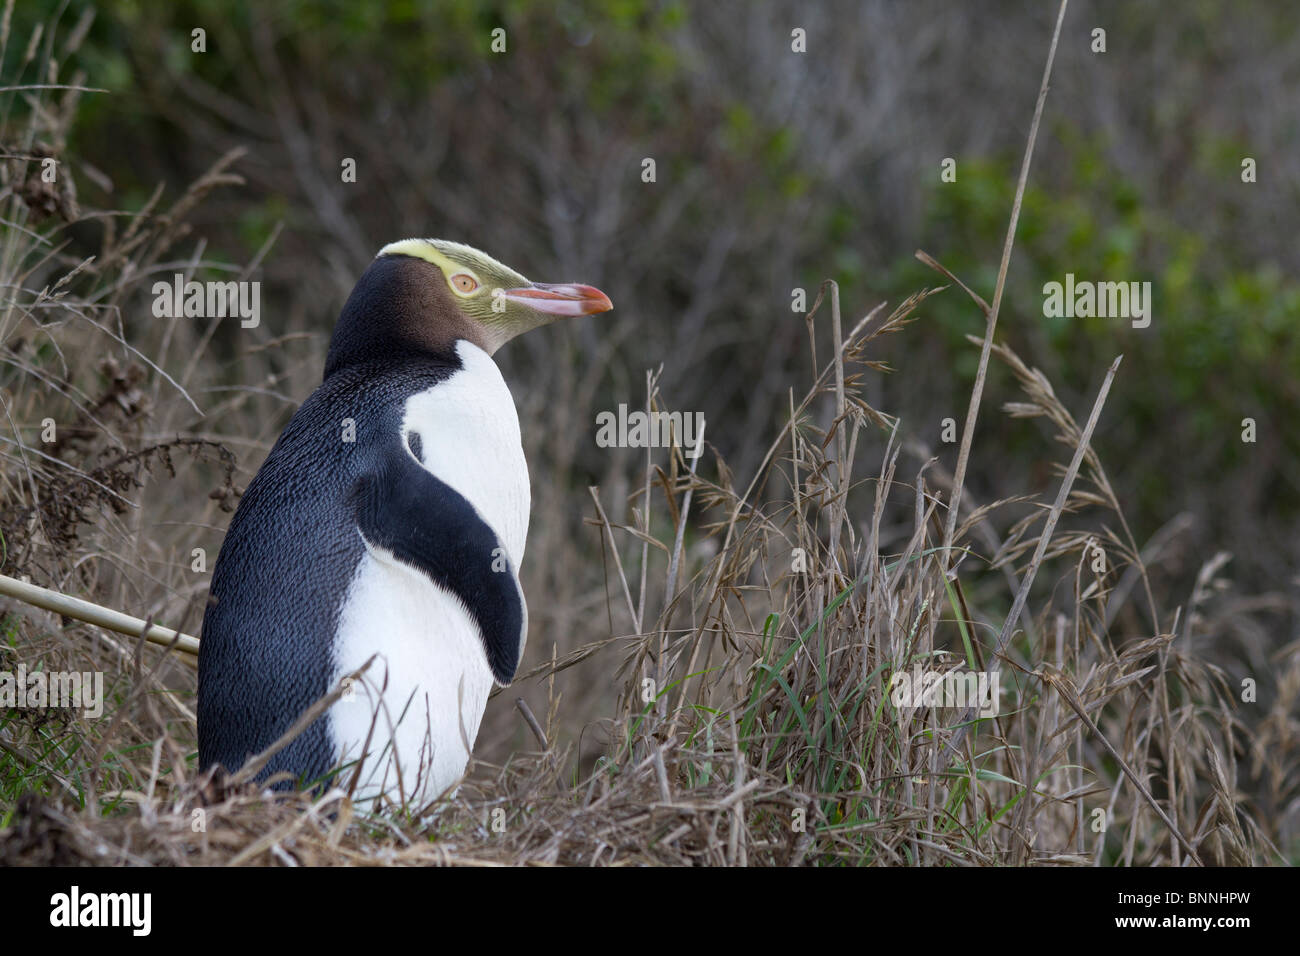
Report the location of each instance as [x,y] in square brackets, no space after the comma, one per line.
[425,523]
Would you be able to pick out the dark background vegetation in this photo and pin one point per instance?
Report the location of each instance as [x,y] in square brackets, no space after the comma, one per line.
[775,171]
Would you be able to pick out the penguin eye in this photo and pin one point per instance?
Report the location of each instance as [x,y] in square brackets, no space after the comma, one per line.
[464,283]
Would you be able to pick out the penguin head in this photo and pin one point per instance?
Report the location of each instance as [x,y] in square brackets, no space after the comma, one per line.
[423,295]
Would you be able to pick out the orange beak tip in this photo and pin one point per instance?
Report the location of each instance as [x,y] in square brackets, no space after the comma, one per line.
[561,299]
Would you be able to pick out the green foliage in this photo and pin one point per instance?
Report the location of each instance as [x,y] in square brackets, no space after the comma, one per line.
[1224,341]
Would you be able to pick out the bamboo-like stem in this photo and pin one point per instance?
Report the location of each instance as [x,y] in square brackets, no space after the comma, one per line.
[95,614]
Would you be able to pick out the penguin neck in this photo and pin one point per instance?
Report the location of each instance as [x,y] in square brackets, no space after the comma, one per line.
[399,312]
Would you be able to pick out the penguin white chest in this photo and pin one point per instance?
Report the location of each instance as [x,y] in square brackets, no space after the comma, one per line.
[420,703]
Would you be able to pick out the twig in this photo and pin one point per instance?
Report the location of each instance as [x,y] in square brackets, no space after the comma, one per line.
[1059,682]
[972,411]
[618,561]
[531,721]
[1044,539]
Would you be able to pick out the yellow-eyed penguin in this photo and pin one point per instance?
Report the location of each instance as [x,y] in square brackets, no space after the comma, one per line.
[389,519]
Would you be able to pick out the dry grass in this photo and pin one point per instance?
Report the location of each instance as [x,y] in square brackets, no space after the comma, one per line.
[770,703]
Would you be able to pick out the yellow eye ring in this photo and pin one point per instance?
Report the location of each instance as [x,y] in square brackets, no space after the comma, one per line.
[464,284]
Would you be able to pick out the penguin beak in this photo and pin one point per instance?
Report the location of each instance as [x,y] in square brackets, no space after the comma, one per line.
[561,300]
